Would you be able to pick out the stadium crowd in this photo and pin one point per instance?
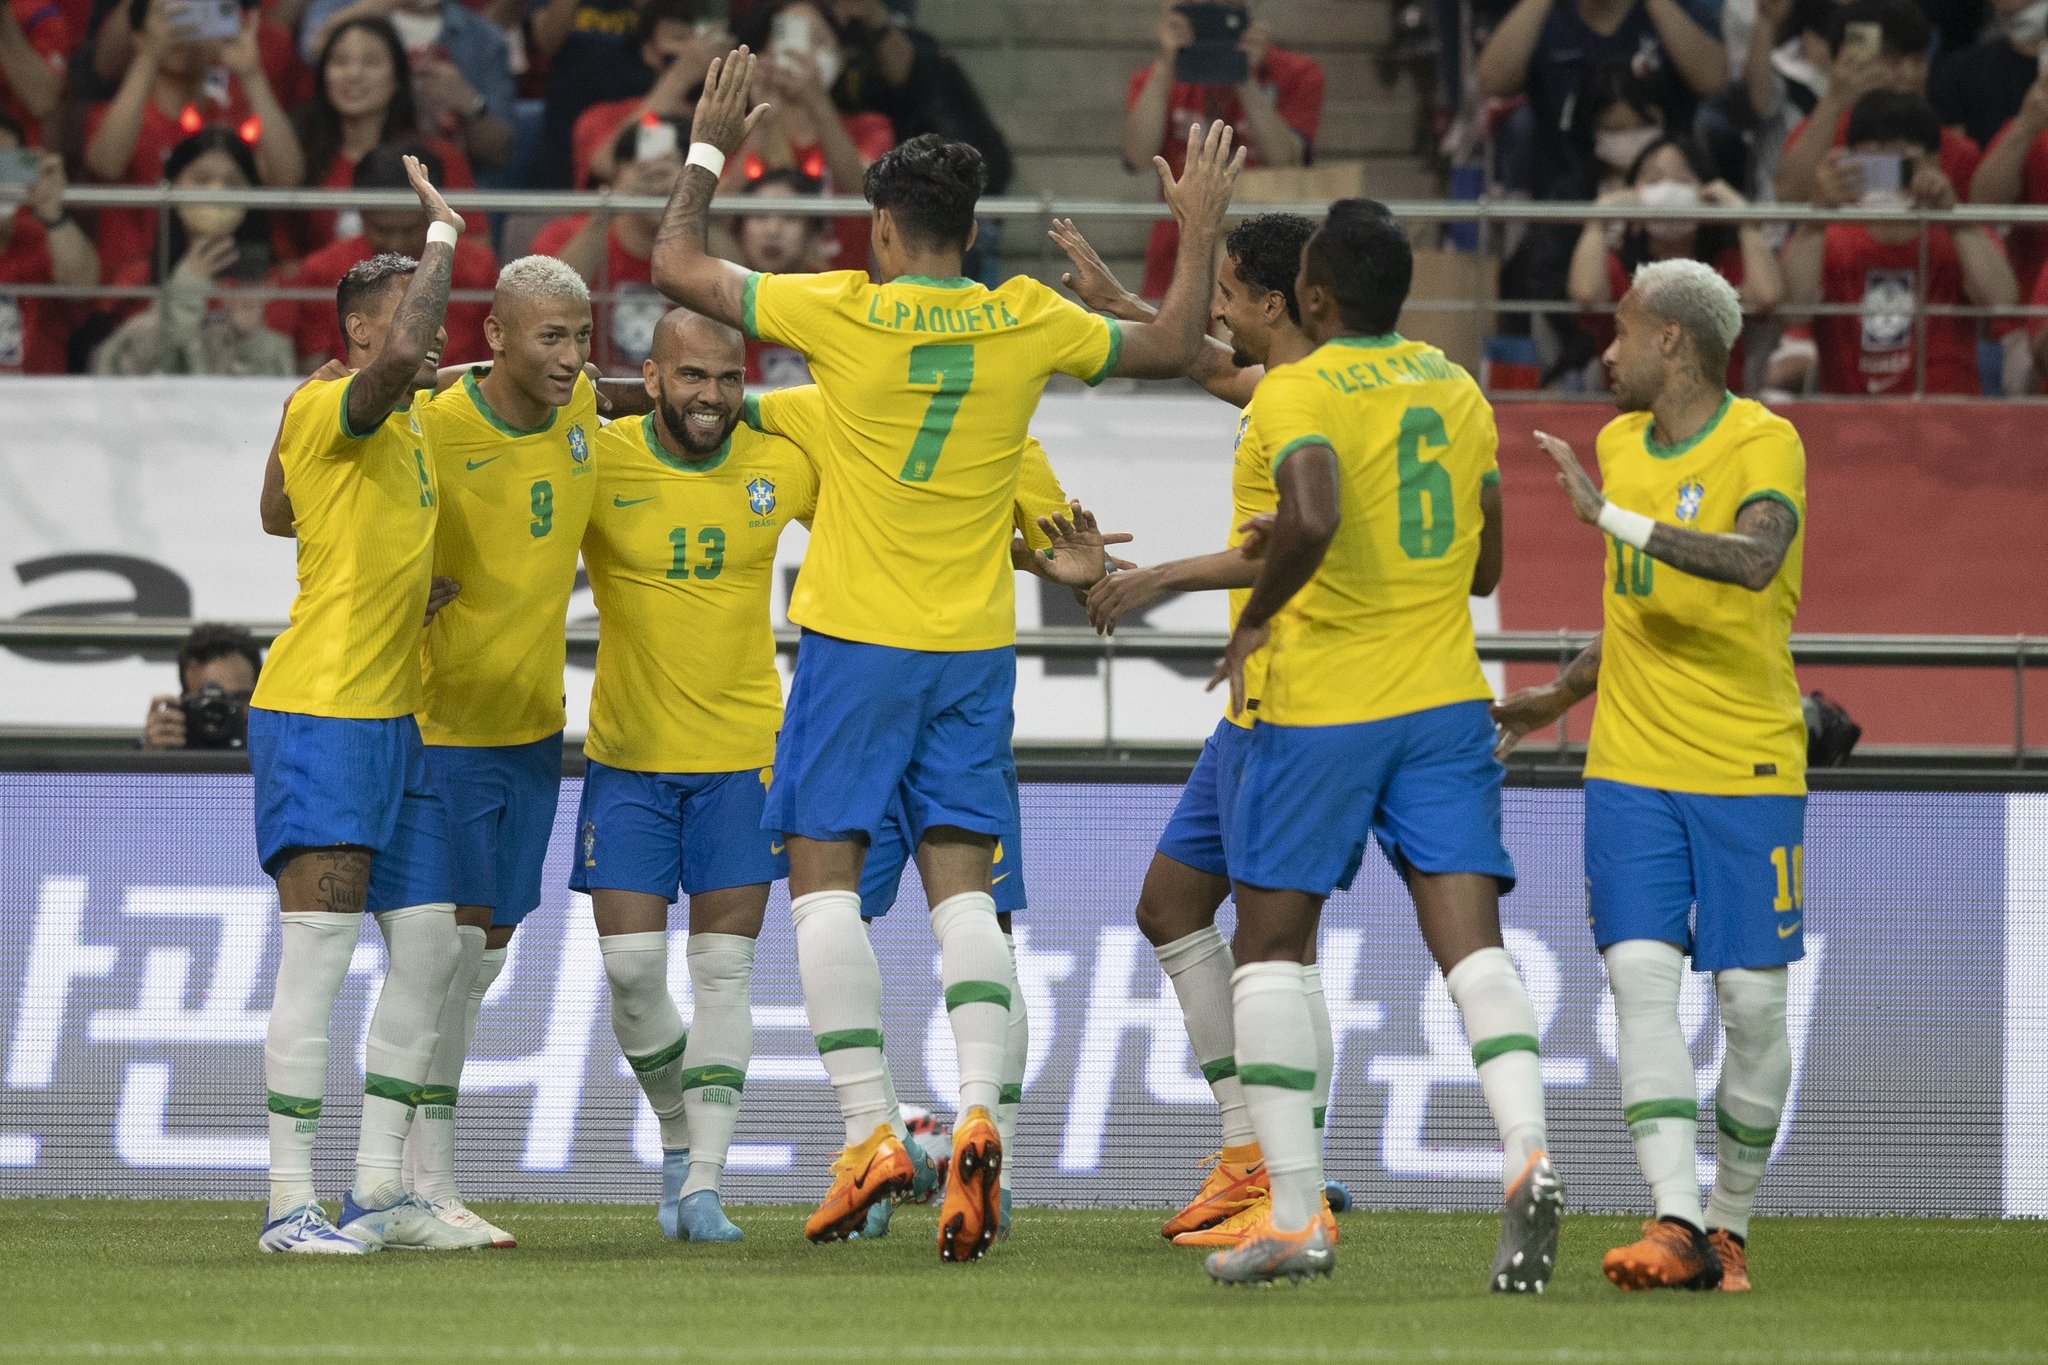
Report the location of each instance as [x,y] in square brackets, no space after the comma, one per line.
[1664,103]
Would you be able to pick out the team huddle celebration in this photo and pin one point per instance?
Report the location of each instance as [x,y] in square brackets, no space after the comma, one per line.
[406,738]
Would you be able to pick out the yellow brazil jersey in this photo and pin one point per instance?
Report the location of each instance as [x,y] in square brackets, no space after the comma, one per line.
[682,560]
[1697,692]
[1384,627]
[929,387]
[1251,495]
[364,507]
[513,507]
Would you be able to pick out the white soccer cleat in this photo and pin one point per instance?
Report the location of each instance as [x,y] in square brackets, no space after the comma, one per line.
[407,1225]
[450,1209]
[306,1229]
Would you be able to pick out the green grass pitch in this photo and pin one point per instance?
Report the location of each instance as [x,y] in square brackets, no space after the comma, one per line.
[181,1280]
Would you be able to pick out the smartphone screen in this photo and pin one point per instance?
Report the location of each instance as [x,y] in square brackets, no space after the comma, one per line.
[1887,177]
[1214,57]
[17,166]
[654,141]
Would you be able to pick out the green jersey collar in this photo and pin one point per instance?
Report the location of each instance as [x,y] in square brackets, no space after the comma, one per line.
[1672,452]
[476,396]
[1379,343]
[929,282]
[660,451]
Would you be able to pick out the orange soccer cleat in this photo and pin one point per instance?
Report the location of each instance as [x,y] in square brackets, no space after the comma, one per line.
[1236,1182]
[1734,1256]
[1671,1255]
[973,1210]
[873,1170]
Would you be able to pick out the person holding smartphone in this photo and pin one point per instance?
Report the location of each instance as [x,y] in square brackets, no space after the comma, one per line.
[1273,100]
[40,243]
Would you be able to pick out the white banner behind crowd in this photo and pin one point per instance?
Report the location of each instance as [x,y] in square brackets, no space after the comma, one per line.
[121,498]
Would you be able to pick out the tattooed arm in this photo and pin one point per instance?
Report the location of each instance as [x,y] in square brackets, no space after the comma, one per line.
[388,380]
[1749,555]
[1532,708]
[682,266]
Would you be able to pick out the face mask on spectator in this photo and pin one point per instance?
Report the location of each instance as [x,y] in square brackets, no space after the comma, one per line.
[211,220]
[1669,194]
[1619,150]
[2029,25]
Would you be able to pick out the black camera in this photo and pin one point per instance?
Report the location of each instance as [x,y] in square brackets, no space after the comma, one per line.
[215,718]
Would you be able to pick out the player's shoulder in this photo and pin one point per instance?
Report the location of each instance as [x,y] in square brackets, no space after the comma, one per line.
[621,441]
[1749,419]
[820,284]
[317,411]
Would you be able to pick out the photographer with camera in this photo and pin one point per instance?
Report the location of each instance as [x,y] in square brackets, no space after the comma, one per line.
[217,668]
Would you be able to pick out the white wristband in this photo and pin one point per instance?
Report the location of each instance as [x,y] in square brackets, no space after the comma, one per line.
[1630,528]
[444,233]
[705,155]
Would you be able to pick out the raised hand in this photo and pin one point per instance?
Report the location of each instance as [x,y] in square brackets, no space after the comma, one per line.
[1573,479]
[1077,556]
[1091,278]
[430,198]
[723,117]
[1201,196]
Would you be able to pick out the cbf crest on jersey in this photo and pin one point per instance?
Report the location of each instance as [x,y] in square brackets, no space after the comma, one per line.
[761,496]
[1244,424]
[1689,495]
[579,444]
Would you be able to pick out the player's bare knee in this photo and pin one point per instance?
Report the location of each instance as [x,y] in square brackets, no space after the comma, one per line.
[1177,900]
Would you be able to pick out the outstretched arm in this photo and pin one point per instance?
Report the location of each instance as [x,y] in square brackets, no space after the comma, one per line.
[1748,556]
[387,380]
[1302,529]
[1121,594]
[683,267]
[1532,708]
[1166,347]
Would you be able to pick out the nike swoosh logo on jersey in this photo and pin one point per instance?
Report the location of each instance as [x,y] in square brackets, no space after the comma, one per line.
[994,880]
[1787,930]
[618,501]
[774,847]
[473,465]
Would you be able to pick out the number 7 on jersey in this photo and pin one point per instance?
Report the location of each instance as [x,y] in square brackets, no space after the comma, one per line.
[951,367]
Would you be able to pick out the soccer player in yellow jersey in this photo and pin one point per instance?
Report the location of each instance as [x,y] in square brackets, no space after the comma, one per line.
[346,815]
[1696,777]
[511,448]
[905,679]
[1373,721]
[683,715]
[1189,876]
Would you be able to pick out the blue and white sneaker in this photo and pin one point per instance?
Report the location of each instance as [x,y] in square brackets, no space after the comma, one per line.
[675,1169]
[306,1229]
[702,1220]
[924,1183]
[407,1224]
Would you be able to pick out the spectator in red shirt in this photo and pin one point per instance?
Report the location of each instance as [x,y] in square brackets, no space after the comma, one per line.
[804,130]
[1674,172]
[1876,266]
[114,45]
[312,323]
[461,80]
[2015,171]
[775,243]
[1275,114]
[40,243]
[612,252]
[35,42]
[363,98]
[1899,66]
[678,55]
[171,91]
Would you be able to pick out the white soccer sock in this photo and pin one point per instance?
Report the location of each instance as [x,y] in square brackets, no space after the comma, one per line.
[1756,1075]
[422,947]
[843,998]
[312,961]
[1658,1098]
[430,1146]
[1016,1056]
[721,1042]
[648,1026]
[1500,1024]
[1326,1054]
[1276,1060]
[979,988]
[1199,966]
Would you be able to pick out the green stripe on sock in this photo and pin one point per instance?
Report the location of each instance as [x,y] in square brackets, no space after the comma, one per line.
[1486,1049]
[1742,1132]
[1322,1112]
[1010,1094]
[655,1061]
[1661,1109]
[977,993]
[718,1073]
[294,1106]
[1221,1069]
[842,1039]
[1279,1077]
[437,1094]
[391,1088]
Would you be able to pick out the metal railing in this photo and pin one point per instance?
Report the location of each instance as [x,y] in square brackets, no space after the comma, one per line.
[1491,216]
[2017,653]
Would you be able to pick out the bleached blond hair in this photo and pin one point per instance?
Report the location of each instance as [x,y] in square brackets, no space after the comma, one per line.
[540,277]
[1696,297]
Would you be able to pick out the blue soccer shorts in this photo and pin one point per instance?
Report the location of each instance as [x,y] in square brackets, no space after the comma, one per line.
[1717,875]
[1425,786]
[882,874]
[329,782]
[501,813]
[869,726]
[657,832]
